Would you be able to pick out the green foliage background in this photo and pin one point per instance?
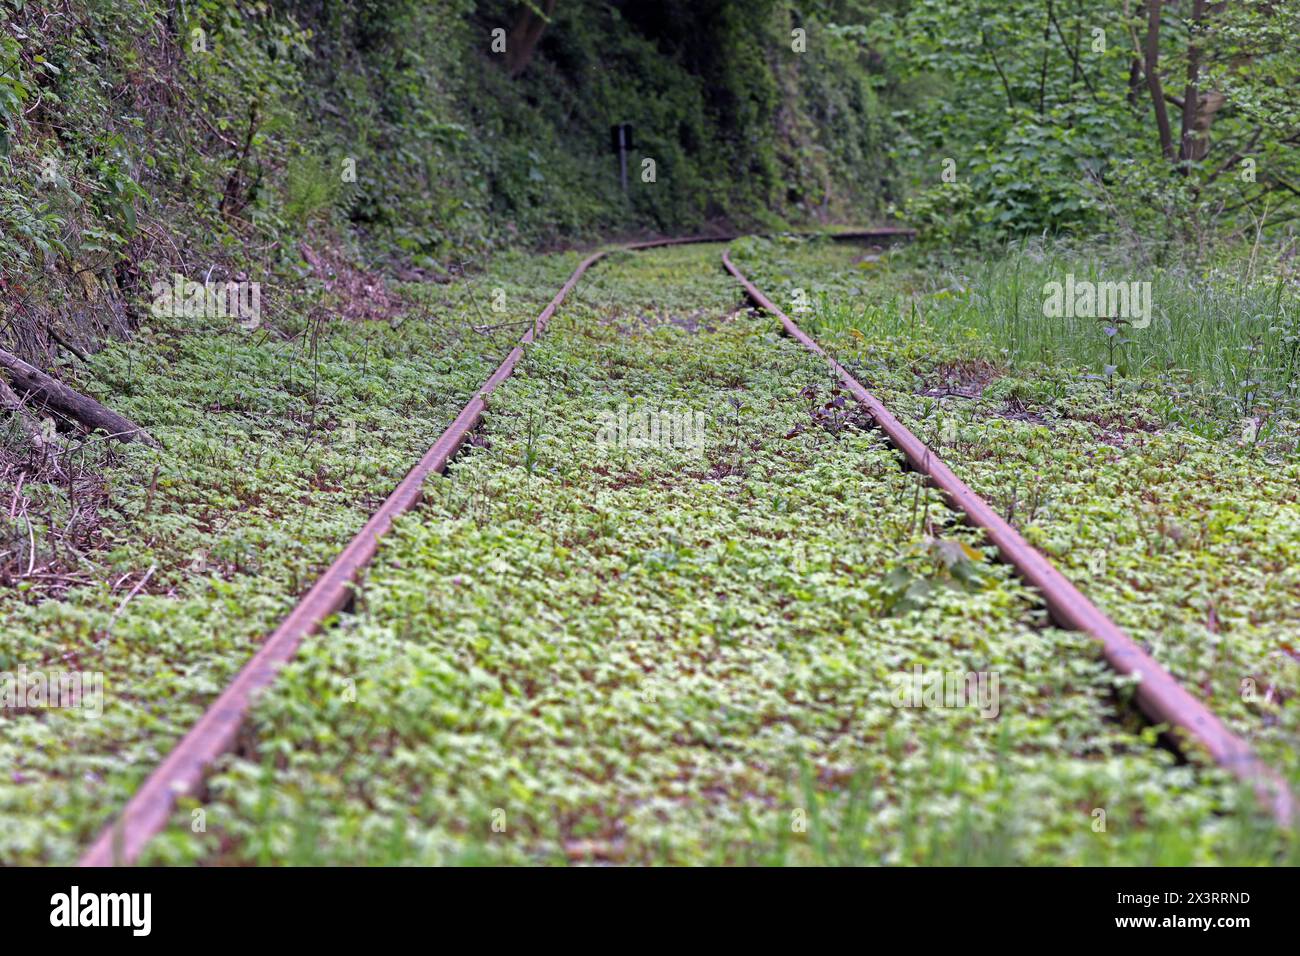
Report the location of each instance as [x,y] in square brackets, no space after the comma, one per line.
[1045,110]
[138,137]
[176,127]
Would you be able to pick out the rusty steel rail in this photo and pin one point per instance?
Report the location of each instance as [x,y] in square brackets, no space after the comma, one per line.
[182,771]
[1158,694]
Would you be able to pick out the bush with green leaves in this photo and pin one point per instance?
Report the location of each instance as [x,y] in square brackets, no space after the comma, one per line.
[1059,119]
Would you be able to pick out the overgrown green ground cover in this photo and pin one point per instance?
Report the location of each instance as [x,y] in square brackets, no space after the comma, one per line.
[578,650]
[279,443]
[1142,485]
[1222,344]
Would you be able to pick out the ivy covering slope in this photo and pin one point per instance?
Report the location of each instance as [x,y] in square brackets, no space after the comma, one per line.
[143,137]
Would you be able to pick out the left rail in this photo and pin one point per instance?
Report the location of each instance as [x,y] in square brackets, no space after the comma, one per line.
[182,771]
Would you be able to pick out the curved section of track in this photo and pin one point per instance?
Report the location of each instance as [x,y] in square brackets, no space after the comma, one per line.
[182,771]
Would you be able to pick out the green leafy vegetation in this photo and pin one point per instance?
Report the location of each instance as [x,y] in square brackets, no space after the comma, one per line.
[402,131]
[584,651]
[166,573]
[1141,486]
[1160,120]
[1218,347]
[659,609]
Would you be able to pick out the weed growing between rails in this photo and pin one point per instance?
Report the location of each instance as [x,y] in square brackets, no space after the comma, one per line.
[279,442]
[580,653]
[1187,537]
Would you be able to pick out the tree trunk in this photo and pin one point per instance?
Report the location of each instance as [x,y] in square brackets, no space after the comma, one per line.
[1135,80]
[528,29]
[1152,62]
[54,395]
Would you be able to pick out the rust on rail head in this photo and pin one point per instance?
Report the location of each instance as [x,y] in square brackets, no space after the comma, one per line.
[1158,694]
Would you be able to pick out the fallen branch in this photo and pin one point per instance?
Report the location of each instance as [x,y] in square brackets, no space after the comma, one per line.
[72,404]
[60,340]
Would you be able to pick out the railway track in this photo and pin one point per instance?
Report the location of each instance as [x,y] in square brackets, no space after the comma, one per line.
[182,772]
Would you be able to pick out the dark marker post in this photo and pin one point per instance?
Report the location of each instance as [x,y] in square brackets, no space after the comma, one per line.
[620,136]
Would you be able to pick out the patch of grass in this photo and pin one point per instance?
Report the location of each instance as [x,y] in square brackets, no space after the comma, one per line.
[1226,338]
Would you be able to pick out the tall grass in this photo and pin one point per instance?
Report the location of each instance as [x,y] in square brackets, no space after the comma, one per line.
[1232,330]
